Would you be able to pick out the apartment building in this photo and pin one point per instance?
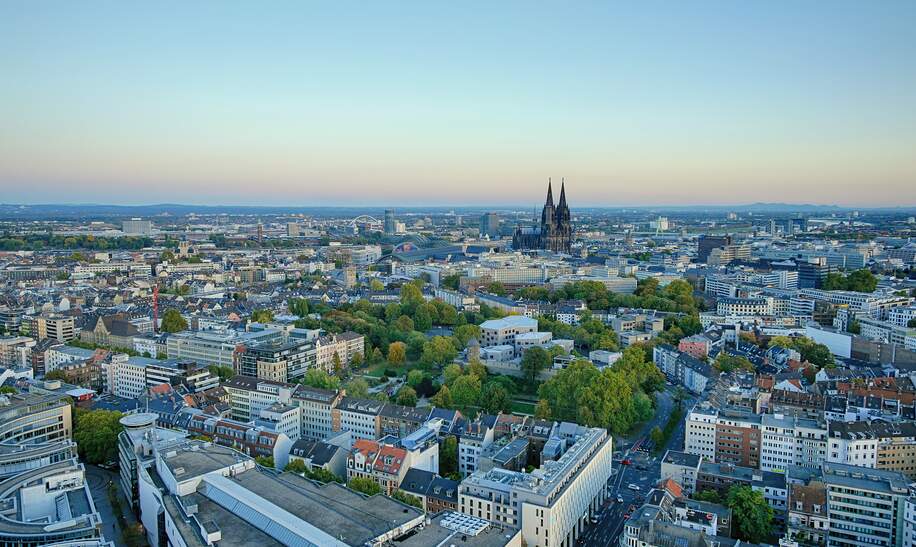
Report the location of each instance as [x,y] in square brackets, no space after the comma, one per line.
[722,476]
[738,438]
[316,409]
[248,395]
[683,368]
[253,441]
[877,445]
[362,417]
[700,432]
[382,463]
[864,504]
[807,521]
[54,327]
[682,468]
[474,439]
[278,360]
[552,504]
[744,306]
[344,345]
[59,355]
[790,440]
[15,351]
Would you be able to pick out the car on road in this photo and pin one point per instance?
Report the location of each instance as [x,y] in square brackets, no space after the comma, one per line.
[626,461]
[619,499]
[594,520]
[633,487]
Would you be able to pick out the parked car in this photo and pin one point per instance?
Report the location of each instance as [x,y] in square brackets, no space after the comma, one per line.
[633,487]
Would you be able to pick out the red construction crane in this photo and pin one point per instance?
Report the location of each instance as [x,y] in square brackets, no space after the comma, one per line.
[156,307]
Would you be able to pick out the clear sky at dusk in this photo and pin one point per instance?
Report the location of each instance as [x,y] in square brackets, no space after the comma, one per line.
[458,103]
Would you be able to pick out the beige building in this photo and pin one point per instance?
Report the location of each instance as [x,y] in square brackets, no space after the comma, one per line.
[552,504]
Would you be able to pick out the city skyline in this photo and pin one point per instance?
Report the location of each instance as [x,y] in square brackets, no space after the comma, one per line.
[415,105]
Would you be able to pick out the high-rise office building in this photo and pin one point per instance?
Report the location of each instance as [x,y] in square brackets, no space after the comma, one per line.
[137,226]
[707,243]
[390,227]
[489,225]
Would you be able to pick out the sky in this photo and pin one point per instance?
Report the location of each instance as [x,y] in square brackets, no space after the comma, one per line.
[462,103]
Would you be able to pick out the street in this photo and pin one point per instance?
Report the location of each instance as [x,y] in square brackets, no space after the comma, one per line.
[644,471]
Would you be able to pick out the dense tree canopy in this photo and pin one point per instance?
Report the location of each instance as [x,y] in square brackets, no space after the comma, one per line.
[172,321]
[262,316]
[859,281]
[751,513]
[816,354]
[364,485]
[615,398]
[96,434]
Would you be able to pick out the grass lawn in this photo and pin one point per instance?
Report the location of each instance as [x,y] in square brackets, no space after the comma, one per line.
[522,407]
[377,371]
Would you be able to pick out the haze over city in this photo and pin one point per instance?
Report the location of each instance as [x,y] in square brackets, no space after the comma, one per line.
[463,104]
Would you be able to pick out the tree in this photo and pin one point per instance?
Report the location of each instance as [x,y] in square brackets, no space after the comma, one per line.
[358,388]
[397,353]
[448,315]
[404,324]
[166,256]
[443,398]
[411,297]
[448,456]
[357,360]
[96,434]
[752,514]
[409,499]
[646,287]
[415,377]
[450,281]
[296,466]
[406,396]
[497,288]
[376,285]
[535,360]
[859,281]
[364,485]
[338,364]
[711,496]
[438,351]
[223,373]
[451,373]
[911,323]
[7,390]
[265,461]
[298,306]
[657,436]
[542,409]
[172,321]
[494,398]
[320,379]
[466,391]
[464,333]
[262,316]
[56,375]
[728,363]
[478,369]
[422,318]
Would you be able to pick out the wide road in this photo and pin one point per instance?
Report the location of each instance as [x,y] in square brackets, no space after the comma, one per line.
[643,472]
